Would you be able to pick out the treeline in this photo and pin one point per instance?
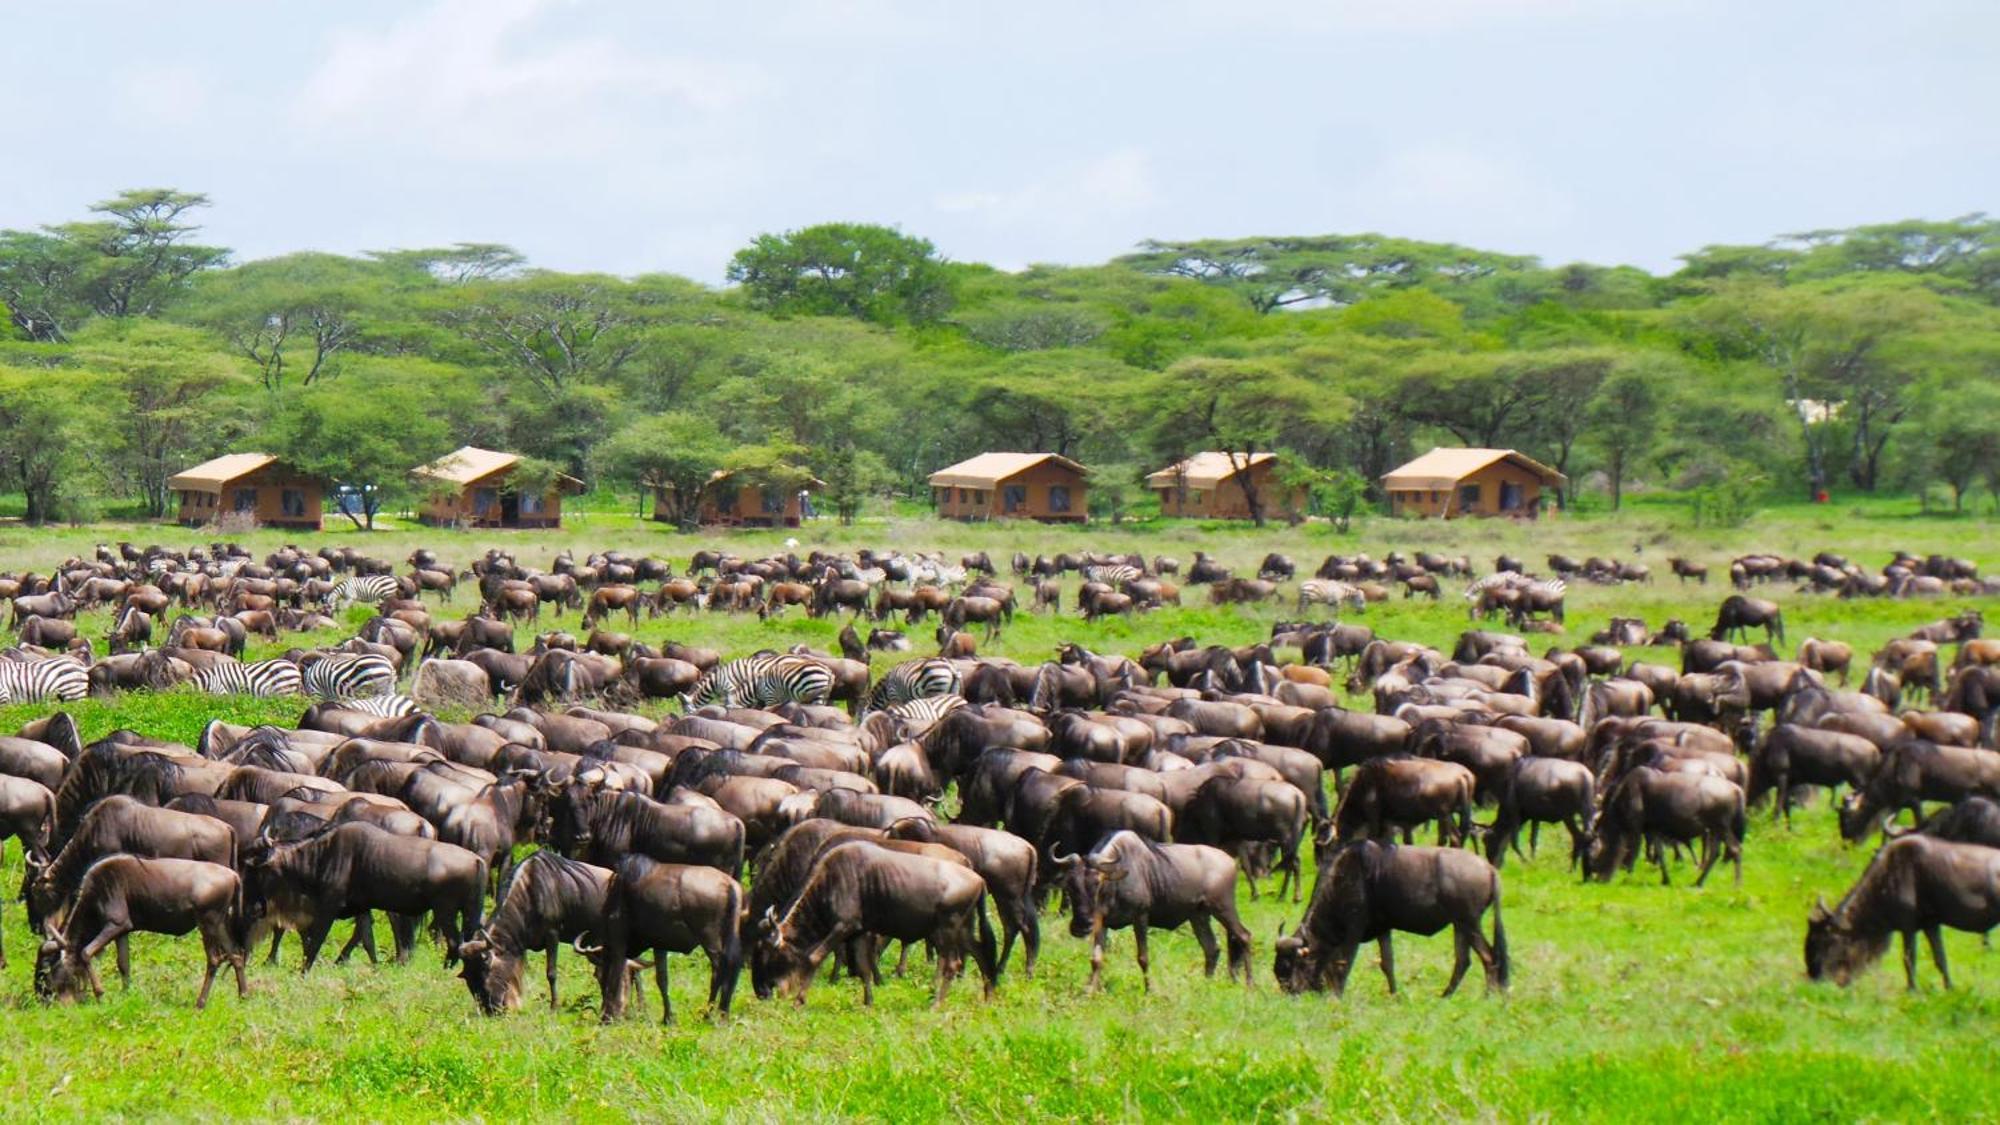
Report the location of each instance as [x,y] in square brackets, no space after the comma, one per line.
[1863,359]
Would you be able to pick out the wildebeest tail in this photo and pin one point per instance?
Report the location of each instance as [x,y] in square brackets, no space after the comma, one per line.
[1501,966]
[989,950]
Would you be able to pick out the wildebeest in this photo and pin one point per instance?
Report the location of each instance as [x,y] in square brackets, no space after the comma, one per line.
[121,824]
[1241,814]
[1656,808]
[1395,793]
[1791,755]
[549,901]
[1916,771]
[1008,864]
[121,894]
[669,908]
[309,883]
[1537,791]
[1128,881]
[861,887]
[1739,614]
[600,825]
[1915,884]
[1370,890]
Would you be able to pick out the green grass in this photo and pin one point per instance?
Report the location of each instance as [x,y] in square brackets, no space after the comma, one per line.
[1631,1001]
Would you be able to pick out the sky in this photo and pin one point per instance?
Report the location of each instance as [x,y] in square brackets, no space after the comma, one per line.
[639,136]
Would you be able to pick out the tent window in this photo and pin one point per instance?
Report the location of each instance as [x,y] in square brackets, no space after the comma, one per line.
[1058,498]
[1468,496]
[246,500]
[1014,497]
[294,503]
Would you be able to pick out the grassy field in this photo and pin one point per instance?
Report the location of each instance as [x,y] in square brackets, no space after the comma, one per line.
[1631,1001]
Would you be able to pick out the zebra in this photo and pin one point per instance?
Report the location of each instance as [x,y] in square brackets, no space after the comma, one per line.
[1113,575]
[371,588]
[32,681]
[919,715]
[390,706]
[347,675]
[265,677]
[914,679]
[1326,591]
[762,681]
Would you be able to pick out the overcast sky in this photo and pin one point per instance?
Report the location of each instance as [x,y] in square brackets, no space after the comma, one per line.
[643,135]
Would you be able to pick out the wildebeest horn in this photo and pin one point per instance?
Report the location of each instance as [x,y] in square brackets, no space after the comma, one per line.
[1281,931]
[581,950]
[1061,860]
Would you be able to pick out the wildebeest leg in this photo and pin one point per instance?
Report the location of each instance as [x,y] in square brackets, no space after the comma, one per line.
[277,935]
[1211,950]
[1660,854]
[1711,850]
[1935,935]
[553,943]
[1910,959]
[1579,841]
[1031,935]
[1534,839]
[313,936]
[902,960]
[403,928]
[1096,955]
[660,978]
[363,936]
[125,960]
[112,932]
[1144,957]
[216,948]
[1388,961]
[1461,957]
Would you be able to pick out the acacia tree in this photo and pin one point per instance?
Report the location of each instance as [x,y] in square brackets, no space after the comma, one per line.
[172,402]
[670,456]
[290,316]
[1239,407]
[47,429]
[861,270]
[1623,416]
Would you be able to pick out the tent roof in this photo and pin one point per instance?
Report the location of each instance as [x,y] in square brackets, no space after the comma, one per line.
[1443,467]
[212,475]
[469,463]
[1203,470]
[989,469]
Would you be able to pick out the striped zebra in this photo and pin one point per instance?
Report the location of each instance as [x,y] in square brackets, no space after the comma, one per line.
[1114,576]
[920,715]
[387,706]
[367,588]
[33,681]
[1327,591]
[762,681]
[914,679]
[265,677]
[347,675]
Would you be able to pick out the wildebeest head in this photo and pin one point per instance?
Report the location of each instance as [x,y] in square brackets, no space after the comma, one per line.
[493,977]
[59,973]
[1085,879]
[1293,962]
[1834,951]
[780,964]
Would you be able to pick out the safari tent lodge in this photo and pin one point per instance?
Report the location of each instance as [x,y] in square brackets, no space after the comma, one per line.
[1451,482]
[258,485]
[1036,486]
[1211,485]
[472,487]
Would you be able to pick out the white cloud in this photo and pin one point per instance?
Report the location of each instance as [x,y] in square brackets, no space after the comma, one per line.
[486,78]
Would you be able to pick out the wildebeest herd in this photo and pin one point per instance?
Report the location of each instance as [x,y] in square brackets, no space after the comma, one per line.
[807,806]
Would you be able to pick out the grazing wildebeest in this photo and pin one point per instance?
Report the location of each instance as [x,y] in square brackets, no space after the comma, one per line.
[1739,614]
[1655,808]
[121,894]
[1975,820]
[668,908]
[1916,771]
[1238,815]
[599,825]
[861,887]
[1008,864]
[309,883]
[1128,881]
[121,824]
[1370,890]
[549,902]
[1791,754]
[1915,884]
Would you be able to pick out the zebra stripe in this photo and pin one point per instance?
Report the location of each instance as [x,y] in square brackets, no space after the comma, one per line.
[368,588]
[914,679]
[1114,576]
[39,680]
[1324,591]
[763,681]
[265,677]
[349,675]
[386,706]
[920,715]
